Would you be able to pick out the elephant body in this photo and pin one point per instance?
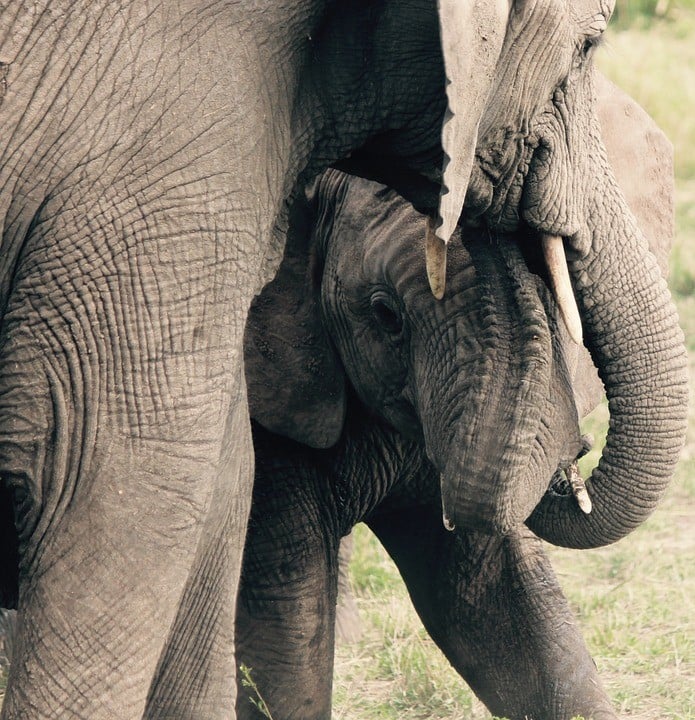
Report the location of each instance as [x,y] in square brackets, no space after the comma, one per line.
[150,160]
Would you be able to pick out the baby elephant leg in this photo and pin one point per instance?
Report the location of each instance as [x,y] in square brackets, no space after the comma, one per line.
[287,598]
[494,607]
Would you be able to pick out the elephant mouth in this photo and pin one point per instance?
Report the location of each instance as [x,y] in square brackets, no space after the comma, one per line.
[565,482]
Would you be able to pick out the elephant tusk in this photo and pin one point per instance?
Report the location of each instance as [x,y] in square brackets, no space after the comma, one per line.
[448,524]
[579,489]
[554,253]
[435,260]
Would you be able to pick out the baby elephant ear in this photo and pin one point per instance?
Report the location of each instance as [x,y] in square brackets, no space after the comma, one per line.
[295,380]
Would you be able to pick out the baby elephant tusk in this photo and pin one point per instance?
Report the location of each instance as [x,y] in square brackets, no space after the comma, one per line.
[554,253]
[579,489]
[435,260]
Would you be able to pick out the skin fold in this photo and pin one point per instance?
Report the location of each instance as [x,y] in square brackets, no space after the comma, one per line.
[490,601]
[151,159]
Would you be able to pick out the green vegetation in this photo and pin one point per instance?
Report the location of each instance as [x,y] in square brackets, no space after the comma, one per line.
[643,14]
[634,600]
[256,698]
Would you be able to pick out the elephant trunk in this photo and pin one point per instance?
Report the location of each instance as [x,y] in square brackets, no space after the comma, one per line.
[631,329]
[487,430]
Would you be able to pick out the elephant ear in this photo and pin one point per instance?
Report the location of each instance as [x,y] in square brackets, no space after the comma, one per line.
[295,381]
[642,159]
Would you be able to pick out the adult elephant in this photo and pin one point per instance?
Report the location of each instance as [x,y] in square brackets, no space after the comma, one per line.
[148,155]
[352,291]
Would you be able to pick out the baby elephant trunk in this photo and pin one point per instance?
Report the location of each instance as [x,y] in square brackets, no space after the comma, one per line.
[499,428]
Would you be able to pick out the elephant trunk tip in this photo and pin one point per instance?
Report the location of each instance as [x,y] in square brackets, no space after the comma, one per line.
[486,515]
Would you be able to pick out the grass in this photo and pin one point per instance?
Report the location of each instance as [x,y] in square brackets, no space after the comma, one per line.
[255,696]
[635,599]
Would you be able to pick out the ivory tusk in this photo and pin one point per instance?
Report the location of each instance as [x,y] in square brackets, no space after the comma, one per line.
[435,260]
[448,525]
[554,254]
[579,489]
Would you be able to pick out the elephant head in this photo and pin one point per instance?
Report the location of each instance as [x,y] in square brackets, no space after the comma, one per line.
[483,376]
[470,376]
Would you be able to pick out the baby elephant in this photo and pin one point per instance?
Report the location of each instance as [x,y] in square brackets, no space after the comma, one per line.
[405,398]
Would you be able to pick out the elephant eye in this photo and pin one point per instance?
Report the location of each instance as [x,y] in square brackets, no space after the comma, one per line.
[386,314]
[590,44]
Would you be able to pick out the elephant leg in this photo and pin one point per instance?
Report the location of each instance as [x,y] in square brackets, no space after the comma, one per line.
[285,637]
[124,438]
[192,680]
[287,600]
[493,606]
[116,578]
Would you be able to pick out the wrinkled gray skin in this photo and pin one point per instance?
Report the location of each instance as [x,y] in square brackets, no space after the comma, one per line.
[491,602]
[148,156]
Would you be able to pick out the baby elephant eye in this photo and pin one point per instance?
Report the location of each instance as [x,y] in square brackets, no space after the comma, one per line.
[386,314]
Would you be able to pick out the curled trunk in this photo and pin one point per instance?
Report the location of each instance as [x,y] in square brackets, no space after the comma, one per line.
[631,329]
